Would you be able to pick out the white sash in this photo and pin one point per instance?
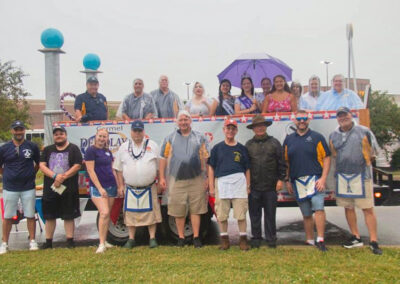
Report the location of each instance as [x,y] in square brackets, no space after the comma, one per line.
[232,186]
[138,199]
[305,187]
[350,185]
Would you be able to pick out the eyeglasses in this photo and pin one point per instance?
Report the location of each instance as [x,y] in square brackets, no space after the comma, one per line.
[301,118]
[17,150]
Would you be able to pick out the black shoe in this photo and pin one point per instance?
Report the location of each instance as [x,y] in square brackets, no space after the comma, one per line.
[321,246]
[375,248]
[271,244]
[255,243]
[197,243]
[353,242]
[180,243]
[70,244]
[47,246]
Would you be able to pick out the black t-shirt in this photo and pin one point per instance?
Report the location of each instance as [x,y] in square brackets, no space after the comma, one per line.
[227,160]
[19,165]
[60,162]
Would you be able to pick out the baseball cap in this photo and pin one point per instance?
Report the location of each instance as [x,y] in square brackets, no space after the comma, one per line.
[137,124]
[92,79]
[17,123]
[342,110]
[230,121]
[59,127]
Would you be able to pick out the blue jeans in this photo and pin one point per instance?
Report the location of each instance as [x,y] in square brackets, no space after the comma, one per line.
[310,205]
[28,200]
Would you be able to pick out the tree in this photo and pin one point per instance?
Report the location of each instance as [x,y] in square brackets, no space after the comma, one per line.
[385,118]
[13,102]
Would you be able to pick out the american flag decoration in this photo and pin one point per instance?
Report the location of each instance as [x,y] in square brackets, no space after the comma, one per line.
[310,115]
[326,115]
[213,118]
[243,119]
[277,117]
[292,116]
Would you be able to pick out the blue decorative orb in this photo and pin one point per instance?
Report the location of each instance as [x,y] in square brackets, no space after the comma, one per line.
[52,38]
[91,61]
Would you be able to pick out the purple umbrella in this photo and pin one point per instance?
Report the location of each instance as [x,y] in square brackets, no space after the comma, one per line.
[256,66]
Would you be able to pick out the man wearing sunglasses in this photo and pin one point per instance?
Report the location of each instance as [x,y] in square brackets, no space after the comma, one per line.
[91,105]
[308,158]
[19,162]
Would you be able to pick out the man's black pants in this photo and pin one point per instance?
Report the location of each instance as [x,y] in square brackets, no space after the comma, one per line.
[266,200]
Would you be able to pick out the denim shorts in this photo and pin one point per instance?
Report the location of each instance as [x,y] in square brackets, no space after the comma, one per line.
[28,200]
[111,191]
[310,205]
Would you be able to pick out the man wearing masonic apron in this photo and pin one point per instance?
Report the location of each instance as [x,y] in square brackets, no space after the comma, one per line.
[136,166]
[352,146]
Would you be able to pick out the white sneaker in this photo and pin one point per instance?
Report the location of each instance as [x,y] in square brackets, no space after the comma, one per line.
[108,245]
[3,248]
[33,245]
[101,248]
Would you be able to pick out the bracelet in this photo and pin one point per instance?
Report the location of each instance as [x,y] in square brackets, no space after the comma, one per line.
[54,176]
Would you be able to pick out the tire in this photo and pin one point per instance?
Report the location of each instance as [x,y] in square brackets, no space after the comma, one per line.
[170,232]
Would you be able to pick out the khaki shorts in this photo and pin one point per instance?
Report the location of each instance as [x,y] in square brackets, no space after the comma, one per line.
[361,203]
[138,219]
[223,206]
[184,193]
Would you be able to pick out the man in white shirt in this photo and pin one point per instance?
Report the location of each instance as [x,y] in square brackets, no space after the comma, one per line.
[136,167]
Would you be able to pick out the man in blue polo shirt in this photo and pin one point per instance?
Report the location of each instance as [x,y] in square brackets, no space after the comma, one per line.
[19,162]
[308,158]
[91,105]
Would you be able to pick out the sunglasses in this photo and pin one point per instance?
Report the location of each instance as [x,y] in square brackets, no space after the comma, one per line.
[302,118]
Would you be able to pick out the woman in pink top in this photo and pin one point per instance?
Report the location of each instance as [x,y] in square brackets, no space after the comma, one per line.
[280,99]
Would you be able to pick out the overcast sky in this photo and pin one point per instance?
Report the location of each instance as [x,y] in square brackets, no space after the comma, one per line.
[195,40]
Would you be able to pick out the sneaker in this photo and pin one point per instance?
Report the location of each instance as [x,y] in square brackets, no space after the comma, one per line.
[180,243]
[321,246]
[353,242]
[255,243]
[375,248]
[33,245]
[101,248]
[108,245]
[130,244]
[197,243]
[153,243]
[3,248]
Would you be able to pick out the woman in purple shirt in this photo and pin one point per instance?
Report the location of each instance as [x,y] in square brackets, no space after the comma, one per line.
[103,185]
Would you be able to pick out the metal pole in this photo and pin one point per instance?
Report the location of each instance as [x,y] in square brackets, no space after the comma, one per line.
[52,112]
[327,80]
[187,85]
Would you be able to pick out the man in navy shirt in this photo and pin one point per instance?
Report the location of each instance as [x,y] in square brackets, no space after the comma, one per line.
[229,165]
[91,105]
[308,159]
[19,162]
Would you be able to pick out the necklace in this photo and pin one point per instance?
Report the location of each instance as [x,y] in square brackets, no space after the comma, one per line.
[142,152]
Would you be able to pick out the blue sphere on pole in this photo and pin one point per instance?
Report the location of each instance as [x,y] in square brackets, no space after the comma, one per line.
[52,38]
[91,61]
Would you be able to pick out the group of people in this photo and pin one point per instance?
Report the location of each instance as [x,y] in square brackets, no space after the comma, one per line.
[276,96]
[245,177]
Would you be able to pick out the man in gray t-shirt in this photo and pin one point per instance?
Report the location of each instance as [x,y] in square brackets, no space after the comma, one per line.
[138,105]
[167,102]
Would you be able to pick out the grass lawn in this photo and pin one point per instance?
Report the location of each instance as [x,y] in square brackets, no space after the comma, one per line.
[286,264]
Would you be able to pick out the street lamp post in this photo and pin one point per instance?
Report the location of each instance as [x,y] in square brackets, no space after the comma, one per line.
[187,85]
[326,64]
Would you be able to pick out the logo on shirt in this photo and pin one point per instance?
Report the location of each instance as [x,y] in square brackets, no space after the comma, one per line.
[27,153]
[237,156]
[309,139]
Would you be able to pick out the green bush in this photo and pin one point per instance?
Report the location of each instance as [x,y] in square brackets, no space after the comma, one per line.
[395,163]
